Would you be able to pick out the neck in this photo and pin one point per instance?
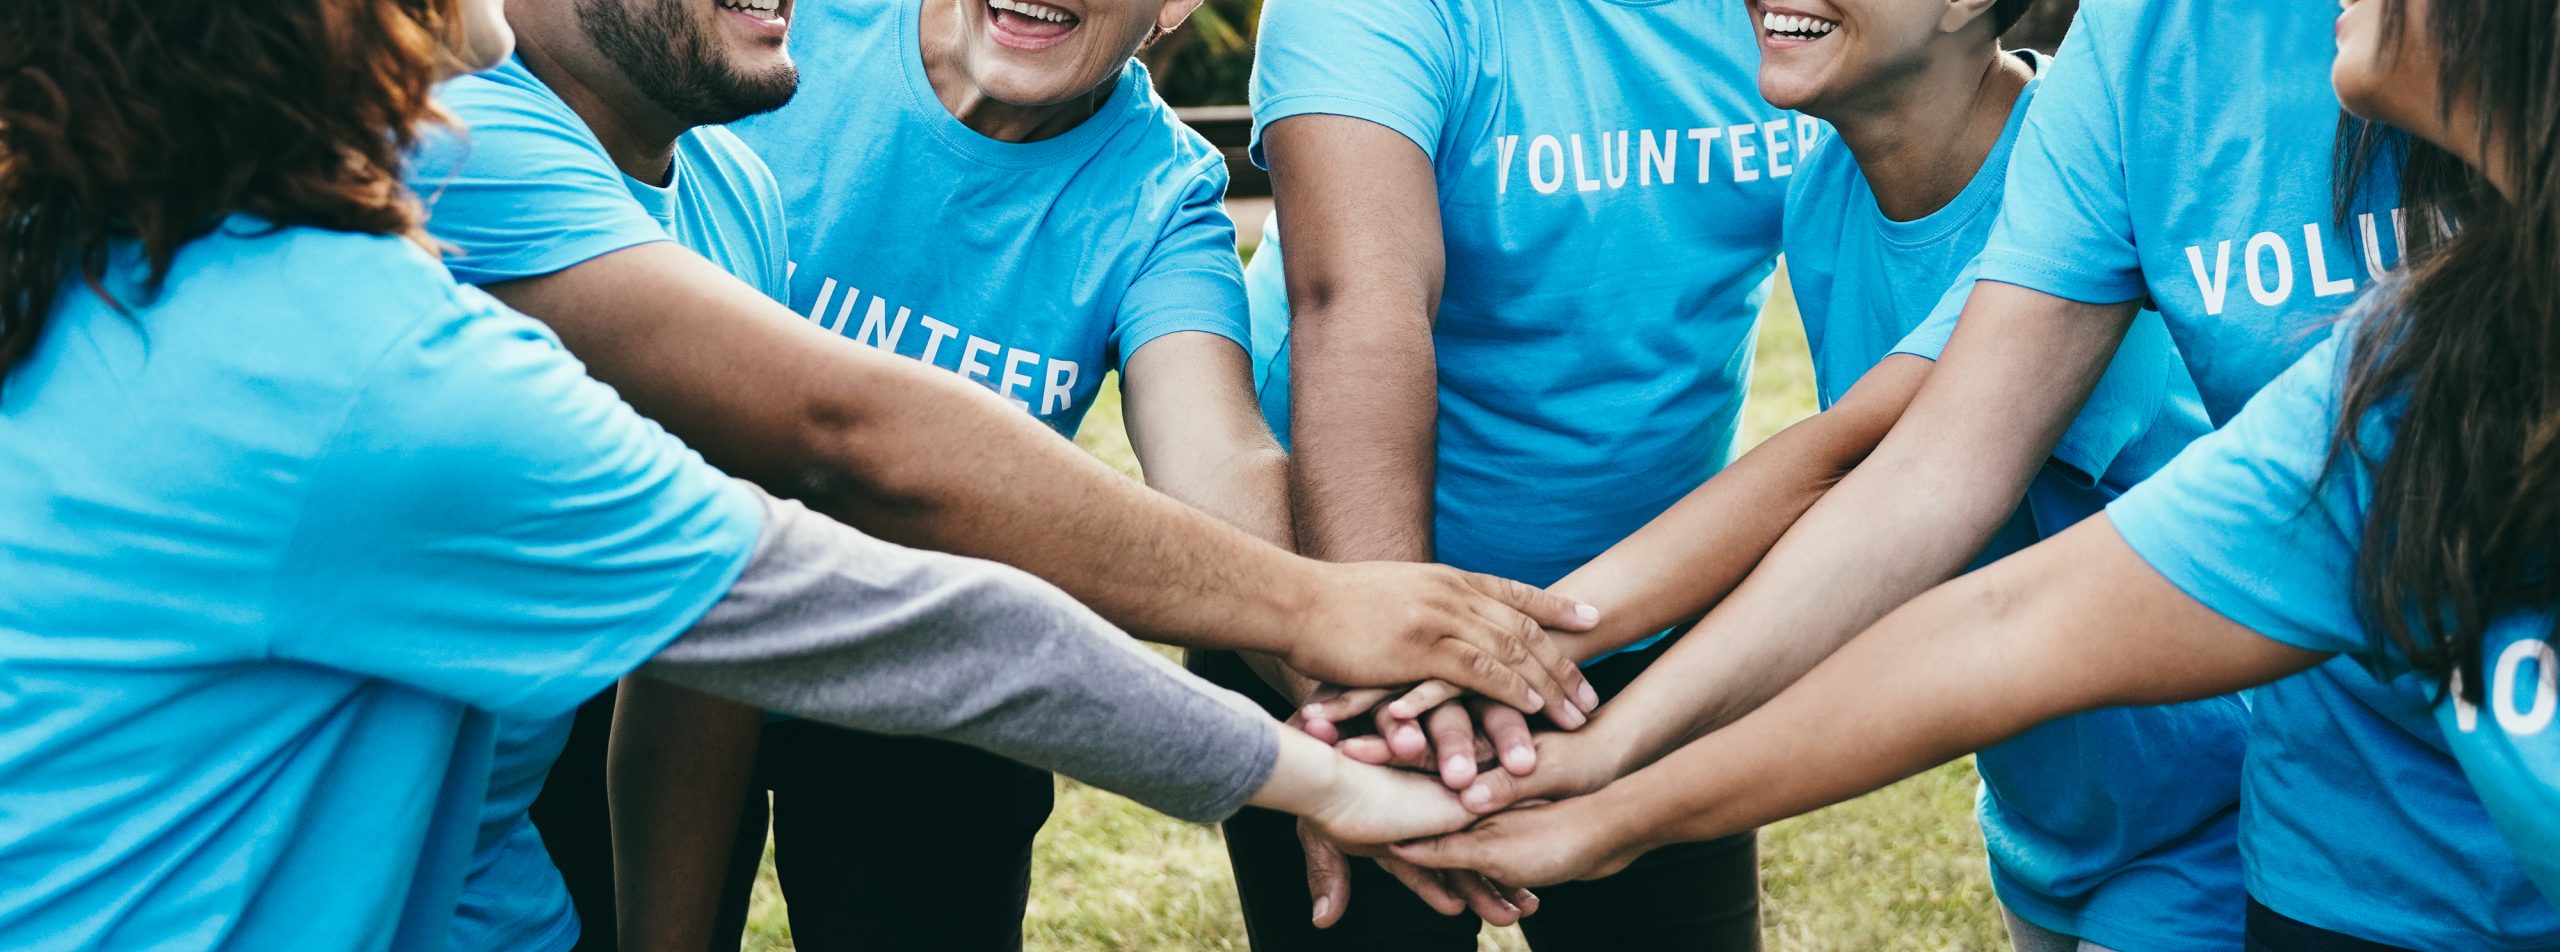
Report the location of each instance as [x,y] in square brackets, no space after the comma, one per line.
[1922,142]
[945,50]
[640,136]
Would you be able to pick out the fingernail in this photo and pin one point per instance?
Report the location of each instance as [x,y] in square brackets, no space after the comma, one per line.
[1323,906]
[1536,702]
[1314,712]
[1584,611]
[1454,764]
[1479,796]
[1522,757]
[1590,696]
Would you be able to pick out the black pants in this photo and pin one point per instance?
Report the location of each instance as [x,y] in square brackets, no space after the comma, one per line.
[883,843]
[2272,931]
[886,844]
[570,815]
[1694,896]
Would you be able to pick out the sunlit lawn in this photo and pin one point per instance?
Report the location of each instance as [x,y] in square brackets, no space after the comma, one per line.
[1900,869]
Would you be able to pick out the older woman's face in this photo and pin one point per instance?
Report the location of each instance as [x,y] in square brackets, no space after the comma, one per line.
[486,39]
[2395,83]
[1044,52]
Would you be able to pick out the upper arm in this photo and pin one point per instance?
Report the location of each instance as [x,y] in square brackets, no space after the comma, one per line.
[762,393]
[2103,627]
[1359,214]
[491,524]
[2253,521]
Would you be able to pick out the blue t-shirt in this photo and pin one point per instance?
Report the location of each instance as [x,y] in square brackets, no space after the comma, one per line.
[1031,268]
[1609,185]
[528,190]
[2254,524]
[277,538]
[2125,185]
[2115,826]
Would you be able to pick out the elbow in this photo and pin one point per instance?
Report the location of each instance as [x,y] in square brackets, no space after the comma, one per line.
[843,458]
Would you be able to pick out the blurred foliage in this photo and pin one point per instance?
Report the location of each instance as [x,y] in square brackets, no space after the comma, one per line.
[1210,59]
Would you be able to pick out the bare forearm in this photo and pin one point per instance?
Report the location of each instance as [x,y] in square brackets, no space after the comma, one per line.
[2071,625]
[1944,479]
[903,450]
[1363,413]
[1360,222]
[1673,569]
[679,773]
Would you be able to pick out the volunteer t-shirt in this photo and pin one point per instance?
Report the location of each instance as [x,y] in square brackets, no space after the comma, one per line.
[277,537]
[2219,210]
[528,190]
[1609,182]
[2116,826]
[2254,523]
[1031,268]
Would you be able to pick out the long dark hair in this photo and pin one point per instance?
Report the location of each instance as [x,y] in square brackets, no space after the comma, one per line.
[152,120]
[2462,352]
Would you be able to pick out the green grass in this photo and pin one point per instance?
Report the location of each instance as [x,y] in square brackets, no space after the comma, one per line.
[1899,869]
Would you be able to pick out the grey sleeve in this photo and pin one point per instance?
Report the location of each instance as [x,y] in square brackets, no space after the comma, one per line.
[830,624]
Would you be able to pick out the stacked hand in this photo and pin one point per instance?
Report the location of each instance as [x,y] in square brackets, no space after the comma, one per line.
[1487,752]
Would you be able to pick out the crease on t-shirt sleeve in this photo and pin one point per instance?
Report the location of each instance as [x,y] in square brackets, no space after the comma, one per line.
[1347,104]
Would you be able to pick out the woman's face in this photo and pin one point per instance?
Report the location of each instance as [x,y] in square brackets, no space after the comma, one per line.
[1045,52]
[1820,53]
[2395,83]
[486,39]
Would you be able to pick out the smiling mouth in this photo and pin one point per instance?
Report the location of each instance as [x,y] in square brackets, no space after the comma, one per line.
[759,9]
[1028,24]
[1785,26]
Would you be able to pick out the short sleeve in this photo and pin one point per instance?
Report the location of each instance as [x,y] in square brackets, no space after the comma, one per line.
[492,525]
[1192,280]
[1392,62]
[2066,224]
[524,189]
[2131,398]
[2244,521]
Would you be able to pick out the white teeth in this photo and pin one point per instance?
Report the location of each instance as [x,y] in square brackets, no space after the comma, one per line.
[762,8]
[1036,11]
[1796,25]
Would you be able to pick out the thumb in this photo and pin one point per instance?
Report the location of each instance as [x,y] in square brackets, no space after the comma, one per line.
[1542,606]
[1328,879]
[1461,850]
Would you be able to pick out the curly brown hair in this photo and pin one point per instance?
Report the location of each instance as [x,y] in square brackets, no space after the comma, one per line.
[153,120]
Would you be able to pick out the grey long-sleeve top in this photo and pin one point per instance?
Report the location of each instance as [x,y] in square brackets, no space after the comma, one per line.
[830,624]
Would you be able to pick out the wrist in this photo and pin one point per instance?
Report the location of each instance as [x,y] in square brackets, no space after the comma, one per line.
[1306,777]
[1289,603]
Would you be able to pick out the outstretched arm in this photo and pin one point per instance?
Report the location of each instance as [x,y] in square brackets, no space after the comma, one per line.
[1911,515]
[921,457]
[2076,623]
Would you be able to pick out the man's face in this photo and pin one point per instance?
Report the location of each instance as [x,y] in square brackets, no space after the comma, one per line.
[703,61]
[1815,53]
[1045,52]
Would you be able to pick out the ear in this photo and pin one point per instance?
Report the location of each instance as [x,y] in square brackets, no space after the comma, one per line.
[1962,14]
[1174,12]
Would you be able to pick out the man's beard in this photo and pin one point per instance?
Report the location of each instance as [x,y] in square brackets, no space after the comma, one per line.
[660,46]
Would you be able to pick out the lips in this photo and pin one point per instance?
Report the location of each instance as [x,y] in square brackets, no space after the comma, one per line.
[1029,25]
[770,18]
